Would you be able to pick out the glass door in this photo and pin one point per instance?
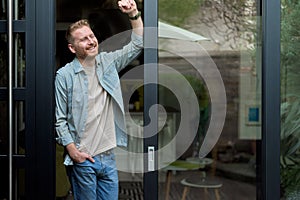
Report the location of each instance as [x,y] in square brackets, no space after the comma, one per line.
[17,108]
[210,76]
[199,124]
[26,124]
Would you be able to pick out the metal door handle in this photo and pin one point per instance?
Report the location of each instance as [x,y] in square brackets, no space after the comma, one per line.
[151,158]
[10,91]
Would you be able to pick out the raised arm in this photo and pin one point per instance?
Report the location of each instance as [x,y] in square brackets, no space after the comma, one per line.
[129,7]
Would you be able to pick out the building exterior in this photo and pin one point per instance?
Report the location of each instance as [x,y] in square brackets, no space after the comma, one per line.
[221,97]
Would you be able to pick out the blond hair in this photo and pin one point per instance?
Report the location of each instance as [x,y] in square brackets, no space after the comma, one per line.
[74,26]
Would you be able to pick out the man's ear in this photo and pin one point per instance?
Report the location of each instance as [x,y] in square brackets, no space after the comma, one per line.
[71,47]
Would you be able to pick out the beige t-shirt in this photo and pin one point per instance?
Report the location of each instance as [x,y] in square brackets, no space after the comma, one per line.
[99,135]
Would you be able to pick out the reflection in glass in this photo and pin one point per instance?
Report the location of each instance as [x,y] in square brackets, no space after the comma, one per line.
[19,78]
[20,183]
[19,128]
[3,61]
[3,7]
[234,47]
[19,136]
[4,179]
[18,148]
[20,65]
[3,128]
[19,9]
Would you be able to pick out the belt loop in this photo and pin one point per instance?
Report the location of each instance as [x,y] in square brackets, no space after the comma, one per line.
[108,152]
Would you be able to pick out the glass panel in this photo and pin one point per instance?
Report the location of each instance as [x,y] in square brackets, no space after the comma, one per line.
[104,14]
[19,9]
[19,120]
[20,65]
[3,128]
[130,159]
[19,138]
[4,178]
[210,67]
[290,93]
[19,183]
[3,7]
[19,128]
[3,61]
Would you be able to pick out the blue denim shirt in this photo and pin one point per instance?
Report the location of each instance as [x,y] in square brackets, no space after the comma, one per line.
[71,93]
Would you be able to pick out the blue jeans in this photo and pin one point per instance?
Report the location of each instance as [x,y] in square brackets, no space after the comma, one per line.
[95,181]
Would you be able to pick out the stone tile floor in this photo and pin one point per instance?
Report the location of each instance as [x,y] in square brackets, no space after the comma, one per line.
[233,188]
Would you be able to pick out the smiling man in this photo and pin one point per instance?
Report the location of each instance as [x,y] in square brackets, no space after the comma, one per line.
[89,107]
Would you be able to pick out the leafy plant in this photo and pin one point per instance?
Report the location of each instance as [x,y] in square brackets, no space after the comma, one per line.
[290,112]
[290,146]
[177,11]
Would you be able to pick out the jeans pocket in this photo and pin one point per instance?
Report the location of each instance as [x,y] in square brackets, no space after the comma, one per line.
[84,163]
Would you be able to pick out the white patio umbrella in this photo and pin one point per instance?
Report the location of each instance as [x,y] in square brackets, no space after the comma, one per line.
[173,32]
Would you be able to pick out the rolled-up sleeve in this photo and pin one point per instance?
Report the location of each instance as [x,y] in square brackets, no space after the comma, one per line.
[137,40]
[122,57]
[61,111]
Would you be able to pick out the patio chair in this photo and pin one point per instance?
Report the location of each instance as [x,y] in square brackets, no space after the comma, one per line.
[202,182]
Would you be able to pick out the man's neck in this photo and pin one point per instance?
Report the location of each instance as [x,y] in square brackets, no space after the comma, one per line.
[87,62]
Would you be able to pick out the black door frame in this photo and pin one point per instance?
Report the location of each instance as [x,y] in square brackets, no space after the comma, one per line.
[271,99]
[45,16]
[150,94]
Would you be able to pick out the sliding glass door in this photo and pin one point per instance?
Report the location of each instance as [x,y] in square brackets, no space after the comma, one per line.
[219,87]
[197,101]
[200,101]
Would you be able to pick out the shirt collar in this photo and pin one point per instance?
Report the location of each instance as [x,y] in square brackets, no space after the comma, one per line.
[77,66]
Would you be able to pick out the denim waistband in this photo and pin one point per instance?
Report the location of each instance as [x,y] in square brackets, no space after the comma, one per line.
[108,152]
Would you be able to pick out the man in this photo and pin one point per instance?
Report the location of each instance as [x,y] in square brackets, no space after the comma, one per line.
[89,107]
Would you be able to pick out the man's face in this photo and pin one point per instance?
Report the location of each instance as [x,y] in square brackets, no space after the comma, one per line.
[85,44]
